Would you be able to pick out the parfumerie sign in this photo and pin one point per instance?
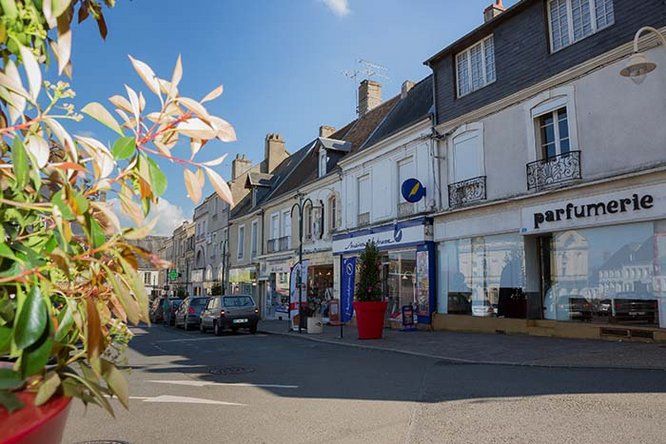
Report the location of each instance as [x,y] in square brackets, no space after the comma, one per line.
[622,206]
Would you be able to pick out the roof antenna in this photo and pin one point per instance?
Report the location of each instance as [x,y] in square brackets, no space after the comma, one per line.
[365,70]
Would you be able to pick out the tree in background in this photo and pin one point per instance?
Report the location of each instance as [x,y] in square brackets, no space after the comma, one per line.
[69,285]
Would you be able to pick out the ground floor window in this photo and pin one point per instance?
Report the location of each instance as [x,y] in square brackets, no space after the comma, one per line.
[277,296]
[320,288]
[483,276]
[614,274]
[399,281]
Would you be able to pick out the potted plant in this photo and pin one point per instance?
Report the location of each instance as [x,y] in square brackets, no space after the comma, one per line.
[369,303]
[69,286]
[313,313]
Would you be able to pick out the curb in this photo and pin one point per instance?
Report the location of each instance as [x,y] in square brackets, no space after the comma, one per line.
[459,360]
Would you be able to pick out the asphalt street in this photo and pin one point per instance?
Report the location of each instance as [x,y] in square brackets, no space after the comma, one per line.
[192,388]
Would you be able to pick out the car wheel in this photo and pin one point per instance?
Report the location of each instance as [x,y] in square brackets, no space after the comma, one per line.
[253,329]
[216,328]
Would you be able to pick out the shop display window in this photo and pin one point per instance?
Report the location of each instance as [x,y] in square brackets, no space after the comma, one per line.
[613,274]
[483,276]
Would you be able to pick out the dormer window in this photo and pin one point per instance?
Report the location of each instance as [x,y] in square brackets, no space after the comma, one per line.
[573,20]
[254,197]
[323,160]
[475,66]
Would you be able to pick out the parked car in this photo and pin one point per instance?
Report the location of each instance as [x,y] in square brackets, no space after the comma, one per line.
[188,314]
[156,313]
[230,312]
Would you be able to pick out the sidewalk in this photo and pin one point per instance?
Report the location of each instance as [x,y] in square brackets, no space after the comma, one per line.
[478,348]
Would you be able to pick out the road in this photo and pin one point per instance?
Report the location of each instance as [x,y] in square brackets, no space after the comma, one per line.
[192,388]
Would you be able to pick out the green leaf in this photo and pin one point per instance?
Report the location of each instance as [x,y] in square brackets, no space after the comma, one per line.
[10,401]
[96,233]
[32,320]
[116,382]
[124,148]
[5,340]
[64,324]
[99,113]
[59,201]
[7,252]
[9,8]
[35,357]
[9,379]
[48,388]
[20,163]
[157,178]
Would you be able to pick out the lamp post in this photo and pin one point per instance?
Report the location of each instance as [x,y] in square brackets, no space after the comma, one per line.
[300,206]
[639,65]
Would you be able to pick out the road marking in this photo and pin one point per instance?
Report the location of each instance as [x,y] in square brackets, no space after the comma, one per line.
[206,339]
[184,400]
[193,383]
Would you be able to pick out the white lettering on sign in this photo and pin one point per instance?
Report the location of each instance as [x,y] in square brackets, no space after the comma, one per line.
[388,238]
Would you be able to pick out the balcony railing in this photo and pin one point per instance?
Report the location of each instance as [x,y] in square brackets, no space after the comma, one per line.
[467,191]
[553,170]
[279,244]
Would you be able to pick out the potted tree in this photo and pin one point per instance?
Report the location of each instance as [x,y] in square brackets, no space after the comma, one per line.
[69,286]
[369,303]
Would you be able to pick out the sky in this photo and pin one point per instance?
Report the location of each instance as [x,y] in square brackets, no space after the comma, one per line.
[281,62]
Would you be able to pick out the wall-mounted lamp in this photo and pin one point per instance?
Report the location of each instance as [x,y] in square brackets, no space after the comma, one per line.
[638,65]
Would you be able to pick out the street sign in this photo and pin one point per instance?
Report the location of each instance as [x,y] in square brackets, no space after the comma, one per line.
[412,190]
[173,275]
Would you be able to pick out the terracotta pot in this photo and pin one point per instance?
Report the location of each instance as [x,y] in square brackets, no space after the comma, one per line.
[34,425]
[370,319]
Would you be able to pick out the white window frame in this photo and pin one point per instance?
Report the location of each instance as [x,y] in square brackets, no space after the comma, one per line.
[254,239]
[570,24]
[241,245]
[484,70]
[476,127]
[332,211]
[543,103]
[273,233]
[556,131]
[286,214]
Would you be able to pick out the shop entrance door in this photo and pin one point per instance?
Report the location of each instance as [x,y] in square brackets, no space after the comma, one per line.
[544,247]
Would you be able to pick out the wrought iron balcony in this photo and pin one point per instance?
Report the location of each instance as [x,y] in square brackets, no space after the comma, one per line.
[467,191]
[553,170]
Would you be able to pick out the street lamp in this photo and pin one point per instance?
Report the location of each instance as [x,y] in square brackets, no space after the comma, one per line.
[300,206]
[639,65]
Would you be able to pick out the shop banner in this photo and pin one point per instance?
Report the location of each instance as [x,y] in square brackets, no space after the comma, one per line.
[298,277]
[347,290]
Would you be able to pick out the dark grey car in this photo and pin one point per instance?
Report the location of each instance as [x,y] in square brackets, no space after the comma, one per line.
[189,313]
[230,312]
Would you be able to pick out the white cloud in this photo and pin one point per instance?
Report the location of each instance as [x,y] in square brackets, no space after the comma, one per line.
[169,216]
[338,7]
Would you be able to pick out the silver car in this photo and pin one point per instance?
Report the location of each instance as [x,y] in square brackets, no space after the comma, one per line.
[229,312]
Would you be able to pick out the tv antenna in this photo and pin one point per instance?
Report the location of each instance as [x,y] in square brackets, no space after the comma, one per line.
[365,70]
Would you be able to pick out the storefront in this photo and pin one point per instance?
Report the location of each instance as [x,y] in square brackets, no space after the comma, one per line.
[598,260]
[243,280]
[274,289]
[197,279]
[408,263]
[320,279]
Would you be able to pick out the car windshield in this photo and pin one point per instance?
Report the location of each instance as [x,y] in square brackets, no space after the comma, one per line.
[238,301]
[198,302]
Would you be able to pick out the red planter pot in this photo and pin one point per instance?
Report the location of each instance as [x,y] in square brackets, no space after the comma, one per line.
[34,425]
[370,319]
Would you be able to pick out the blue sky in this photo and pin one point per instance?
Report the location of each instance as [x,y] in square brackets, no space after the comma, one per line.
[281,61]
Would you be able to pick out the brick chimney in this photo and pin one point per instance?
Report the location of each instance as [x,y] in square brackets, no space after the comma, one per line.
[240,165]
[493,11]
[407,85]
[325,130]
[274,152]
[369,96]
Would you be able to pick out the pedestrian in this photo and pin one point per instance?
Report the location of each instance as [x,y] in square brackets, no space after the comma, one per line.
[166,311]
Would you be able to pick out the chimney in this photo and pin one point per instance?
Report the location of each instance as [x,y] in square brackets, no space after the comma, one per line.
[493,11]
[406,86]
[325,130]
[369,96]
[240,165]
[274,152]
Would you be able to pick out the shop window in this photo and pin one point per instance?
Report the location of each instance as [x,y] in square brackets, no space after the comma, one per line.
[401,283]
[483,276]
[608,275]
